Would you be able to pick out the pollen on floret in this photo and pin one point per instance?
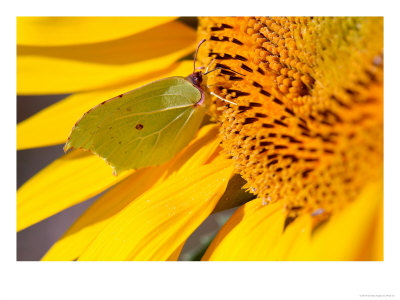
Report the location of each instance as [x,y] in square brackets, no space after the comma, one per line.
[308,125]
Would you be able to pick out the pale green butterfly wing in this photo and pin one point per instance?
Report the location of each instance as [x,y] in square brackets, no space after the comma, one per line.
[144,127]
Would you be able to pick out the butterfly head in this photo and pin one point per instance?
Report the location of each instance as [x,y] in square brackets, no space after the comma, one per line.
[196,78]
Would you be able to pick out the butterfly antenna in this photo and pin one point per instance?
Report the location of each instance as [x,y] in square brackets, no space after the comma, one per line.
[195,56]
[222,68]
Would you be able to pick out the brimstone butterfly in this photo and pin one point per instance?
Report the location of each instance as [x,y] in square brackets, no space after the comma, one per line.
[146,126]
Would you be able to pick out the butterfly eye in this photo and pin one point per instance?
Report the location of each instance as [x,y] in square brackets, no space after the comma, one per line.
[198,78]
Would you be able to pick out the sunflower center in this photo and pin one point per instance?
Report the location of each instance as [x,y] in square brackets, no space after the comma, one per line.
[308,125]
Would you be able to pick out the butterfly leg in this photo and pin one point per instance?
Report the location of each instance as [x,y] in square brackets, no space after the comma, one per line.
[219,97]
[209,65]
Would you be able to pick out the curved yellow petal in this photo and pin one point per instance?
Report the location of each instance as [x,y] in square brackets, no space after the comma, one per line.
[69,180]
[349,235]
[59,70]
[250,233]
[175,255]
[59,31]
[154,225]
[52,125]
[88,226]
[376,240]
[356,233]
[296,235]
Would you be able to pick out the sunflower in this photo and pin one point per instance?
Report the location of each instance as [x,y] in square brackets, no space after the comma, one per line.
[306,134]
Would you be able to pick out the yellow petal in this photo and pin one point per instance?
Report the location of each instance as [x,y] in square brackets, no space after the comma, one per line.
[250,233]
[175,255]
[347,235]
[377,236]
[154,225]
[59,70]
[297,235]
[356,233]
[73,178]
[87,227]
[52,125]
[58,31]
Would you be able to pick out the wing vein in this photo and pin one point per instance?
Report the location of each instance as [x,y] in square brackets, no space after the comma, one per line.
[158,131]
[141,100]
[184,124]
[151,112]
